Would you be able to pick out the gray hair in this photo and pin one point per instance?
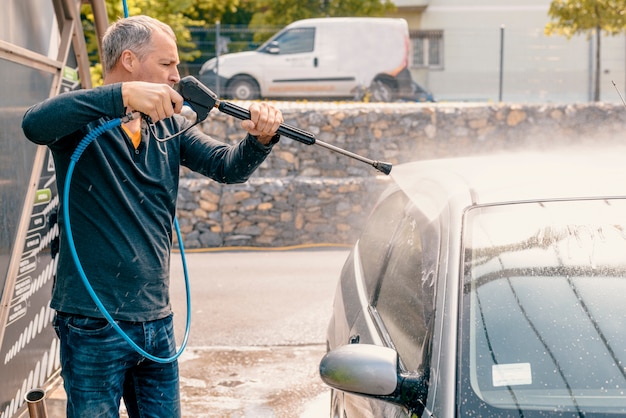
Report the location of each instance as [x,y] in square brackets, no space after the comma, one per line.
[132,33]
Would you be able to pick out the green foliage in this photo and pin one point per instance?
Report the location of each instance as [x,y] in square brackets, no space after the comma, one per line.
[283,12]
[280,13]
[572,17]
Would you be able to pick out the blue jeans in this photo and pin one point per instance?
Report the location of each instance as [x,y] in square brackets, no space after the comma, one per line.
[99,368]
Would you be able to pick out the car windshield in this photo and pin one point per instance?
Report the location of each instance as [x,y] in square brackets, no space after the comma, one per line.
[543,319]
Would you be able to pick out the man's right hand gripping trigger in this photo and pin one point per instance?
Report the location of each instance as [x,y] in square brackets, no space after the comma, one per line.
[155,100]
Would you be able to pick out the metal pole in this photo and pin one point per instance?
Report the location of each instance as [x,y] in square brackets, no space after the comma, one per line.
[35,399]
[501,62]
[217,58]
[101,21]
[590,71]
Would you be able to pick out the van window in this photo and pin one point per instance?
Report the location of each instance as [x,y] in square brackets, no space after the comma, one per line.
[296,41]
[405,298]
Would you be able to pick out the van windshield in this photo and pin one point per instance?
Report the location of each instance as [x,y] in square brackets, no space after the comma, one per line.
[543,315]
[291,41]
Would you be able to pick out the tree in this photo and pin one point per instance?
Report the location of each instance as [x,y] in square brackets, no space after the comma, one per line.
[283,12]
[572,17]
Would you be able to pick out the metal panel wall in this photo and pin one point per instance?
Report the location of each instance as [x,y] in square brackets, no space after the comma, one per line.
[39,43]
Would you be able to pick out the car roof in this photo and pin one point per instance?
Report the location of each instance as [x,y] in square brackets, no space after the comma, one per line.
[516,177]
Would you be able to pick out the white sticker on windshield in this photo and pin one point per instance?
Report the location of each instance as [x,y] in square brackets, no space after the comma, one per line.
[511,374]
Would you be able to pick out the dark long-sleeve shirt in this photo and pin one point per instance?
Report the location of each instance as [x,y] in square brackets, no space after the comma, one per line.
[123,200]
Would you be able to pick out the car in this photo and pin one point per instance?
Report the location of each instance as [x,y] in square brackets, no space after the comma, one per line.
[486,286]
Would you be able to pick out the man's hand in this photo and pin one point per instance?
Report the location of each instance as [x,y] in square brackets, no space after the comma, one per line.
[264,121]
[158,101]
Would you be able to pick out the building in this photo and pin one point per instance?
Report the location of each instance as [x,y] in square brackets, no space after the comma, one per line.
[496,50]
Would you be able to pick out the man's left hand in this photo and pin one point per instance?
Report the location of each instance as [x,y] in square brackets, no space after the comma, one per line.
[264,121]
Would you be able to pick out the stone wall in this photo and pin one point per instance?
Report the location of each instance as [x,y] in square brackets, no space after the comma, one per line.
[309,195]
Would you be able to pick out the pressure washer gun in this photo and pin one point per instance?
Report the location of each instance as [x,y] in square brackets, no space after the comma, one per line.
[201,99]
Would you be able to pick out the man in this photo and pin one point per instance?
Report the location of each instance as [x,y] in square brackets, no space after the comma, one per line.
[122,206]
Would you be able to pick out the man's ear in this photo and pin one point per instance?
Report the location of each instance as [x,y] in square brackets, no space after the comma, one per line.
[128,60]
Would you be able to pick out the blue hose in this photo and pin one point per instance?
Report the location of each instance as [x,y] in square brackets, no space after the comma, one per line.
[88,139]
[125,5]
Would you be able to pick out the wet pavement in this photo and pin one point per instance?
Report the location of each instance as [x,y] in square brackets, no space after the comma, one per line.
[258,329]
[251,382]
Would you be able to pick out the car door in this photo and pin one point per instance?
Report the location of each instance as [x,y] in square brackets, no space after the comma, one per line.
[401,296]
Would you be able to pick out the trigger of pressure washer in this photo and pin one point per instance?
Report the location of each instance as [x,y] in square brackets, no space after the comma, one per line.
[197,96]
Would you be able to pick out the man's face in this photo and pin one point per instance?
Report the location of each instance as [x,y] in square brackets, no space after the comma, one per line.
[160,64]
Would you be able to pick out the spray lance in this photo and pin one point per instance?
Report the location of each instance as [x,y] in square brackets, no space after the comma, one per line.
[201,99]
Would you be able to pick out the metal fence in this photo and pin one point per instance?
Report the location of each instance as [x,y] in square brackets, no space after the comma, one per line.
[483,64]
[231,38]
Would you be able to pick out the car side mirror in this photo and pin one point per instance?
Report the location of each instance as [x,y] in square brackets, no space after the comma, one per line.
[372,371]
[273,48]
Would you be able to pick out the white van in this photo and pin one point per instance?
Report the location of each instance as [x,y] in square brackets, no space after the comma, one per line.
[320,58]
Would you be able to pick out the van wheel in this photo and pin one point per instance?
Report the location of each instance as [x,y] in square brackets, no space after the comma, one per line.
[380,91]
[243,88]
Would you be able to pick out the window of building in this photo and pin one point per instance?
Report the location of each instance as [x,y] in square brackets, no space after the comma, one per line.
[427,49]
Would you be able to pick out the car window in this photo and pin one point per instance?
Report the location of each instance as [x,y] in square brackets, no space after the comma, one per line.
[405,297]
[297,40]
[375,239]
[543,312]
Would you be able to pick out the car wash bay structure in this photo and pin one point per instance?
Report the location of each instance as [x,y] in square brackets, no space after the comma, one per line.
[42,53]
